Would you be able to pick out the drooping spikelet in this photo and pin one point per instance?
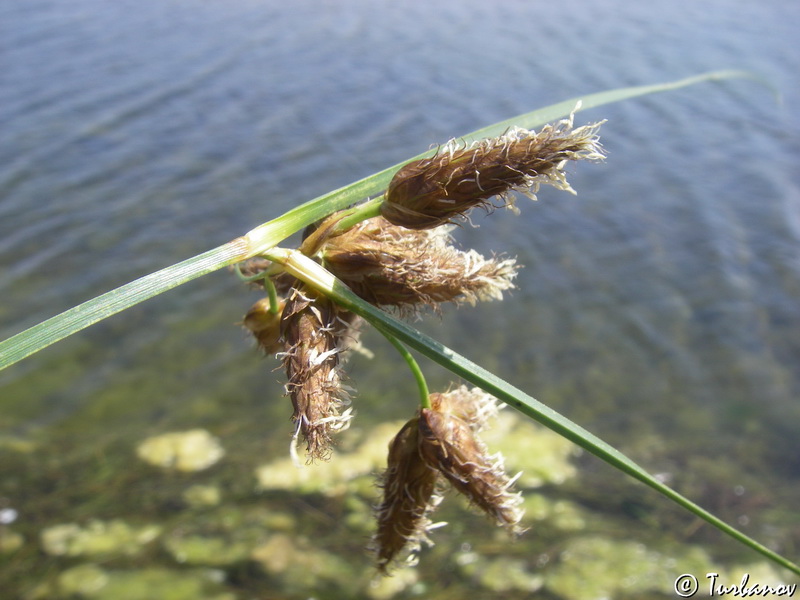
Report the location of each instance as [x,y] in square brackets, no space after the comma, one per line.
[440,444]
[313,331]
[393,266]
[430,192]
[449,445]
[409,495]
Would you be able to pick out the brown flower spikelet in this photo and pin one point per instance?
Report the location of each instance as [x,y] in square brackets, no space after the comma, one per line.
[312,330]
[389,265]
[409,495]
[265,325]
[440,444]
[449,445]
[432,191]
[471,405]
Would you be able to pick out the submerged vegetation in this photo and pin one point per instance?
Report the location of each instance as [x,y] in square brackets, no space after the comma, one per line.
[377,261]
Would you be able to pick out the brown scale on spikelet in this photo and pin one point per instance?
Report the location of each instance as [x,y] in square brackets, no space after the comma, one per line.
[409,495]
[471,405]
[389,265]
[440,444]
[449,445]
[313,328]
[430,192]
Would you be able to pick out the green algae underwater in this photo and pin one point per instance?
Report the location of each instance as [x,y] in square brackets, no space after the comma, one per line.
[235,524]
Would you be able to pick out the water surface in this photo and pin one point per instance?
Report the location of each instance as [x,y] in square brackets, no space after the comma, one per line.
[658,308]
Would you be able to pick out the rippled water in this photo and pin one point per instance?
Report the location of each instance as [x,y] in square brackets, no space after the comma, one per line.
[659,308]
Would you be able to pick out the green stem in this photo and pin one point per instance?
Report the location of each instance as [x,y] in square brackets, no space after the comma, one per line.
[269,285]
[237,268]
[362,212]
[274,305]
[422,385]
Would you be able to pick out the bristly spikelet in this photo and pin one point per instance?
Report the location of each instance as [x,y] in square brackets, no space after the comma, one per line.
[449,445]
[393,266]
[409,495]
[440,444]
[313,330]
[430,192]
[471,405]
[448,439]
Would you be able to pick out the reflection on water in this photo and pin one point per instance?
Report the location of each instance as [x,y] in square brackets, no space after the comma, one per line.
[658,308]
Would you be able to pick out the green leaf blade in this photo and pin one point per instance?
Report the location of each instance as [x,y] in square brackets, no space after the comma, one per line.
[273,232]
[101,307]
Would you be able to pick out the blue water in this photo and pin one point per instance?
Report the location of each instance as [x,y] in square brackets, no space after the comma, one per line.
[660,308]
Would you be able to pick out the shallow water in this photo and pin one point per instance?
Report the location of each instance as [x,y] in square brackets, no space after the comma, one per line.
[658,308]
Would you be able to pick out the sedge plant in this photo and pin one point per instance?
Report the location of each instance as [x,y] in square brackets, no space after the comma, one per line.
[377,251]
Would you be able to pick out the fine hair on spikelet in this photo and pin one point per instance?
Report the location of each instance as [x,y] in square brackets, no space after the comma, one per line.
[432,191]
[313,329]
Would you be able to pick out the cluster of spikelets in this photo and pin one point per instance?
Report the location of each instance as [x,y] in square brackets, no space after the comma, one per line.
[440,446]
[404,259]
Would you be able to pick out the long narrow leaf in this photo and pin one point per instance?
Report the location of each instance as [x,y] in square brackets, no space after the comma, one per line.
[272,233]
[90,312]
[304,268]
